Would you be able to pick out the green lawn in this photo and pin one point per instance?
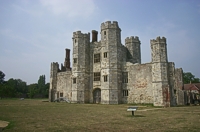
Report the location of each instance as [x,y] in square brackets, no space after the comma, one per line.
[37,115]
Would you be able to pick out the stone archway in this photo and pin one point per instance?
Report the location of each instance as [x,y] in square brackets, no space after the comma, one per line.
[97,96]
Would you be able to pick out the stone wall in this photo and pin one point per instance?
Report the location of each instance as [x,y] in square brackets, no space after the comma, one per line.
[179,86]
[64,84]
[139,84]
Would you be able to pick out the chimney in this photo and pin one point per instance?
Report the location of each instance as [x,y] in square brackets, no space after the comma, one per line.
[94,35]
[67,59]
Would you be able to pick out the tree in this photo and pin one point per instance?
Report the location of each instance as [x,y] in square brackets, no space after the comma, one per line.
[189,77]
[47,85]
[41,85]
[32,90]
[2,75]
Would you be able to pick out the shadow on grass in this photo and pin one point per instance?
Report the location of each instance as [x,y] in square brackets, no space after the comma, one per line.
[135,116]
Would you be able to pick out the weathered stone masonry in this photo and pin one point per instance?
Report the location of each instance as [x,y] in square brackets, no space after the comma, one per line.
[109,72]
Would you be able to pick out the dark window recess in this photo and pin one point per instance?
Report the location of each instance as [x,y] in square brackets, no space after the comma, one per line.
[61,94]
[75,60]
[105,78]
[96,58]
[74,80]
[125,93]
[104,32]
[75,40]
[125,77]
[105,54]
[97,76]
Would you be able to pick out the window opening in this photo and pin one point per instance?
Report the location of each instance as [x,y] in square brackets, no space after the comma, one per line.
[105,54]
[125,93]
[105,78]
[75,60]
[74,80]
[96,58]
[97,76]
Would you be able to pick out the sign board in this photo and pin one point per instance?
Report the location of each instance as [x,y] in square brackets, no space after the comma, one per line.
[132,108]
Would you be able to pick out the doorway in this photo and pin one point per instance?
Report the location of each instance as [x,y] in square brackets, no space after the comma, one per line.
[97,96]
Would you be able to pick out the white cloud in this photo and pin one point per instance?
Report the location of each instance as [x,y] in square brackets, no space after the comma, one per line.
[70,8]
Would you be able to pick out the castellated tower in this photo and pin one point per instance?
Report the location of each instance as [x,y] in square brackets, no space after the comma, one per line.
[133,46]
[160,82]
[111,62]
[80,68]
[53,81]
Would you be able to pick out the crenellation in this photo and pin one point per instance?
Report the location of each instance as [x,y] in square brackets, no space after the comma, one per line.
[78,34]
[109,72]
[158,40]
[109,24]
[132,39]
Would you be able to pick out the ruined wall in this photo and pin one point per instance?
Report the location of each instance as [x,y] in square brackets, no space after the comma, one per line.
[53,81]
[64,84]
[171,78]
[179,86]
[139,83]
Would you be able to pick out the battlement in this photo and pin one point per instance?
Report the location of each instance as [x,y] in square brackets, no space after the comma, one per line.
[78,34]
[109,24]
[54,66]
[132,39]
[158,40]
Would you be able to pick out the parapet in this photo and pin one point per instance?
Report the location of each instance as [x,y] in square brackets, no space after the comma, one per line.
[54,65]
[108,24]
[78,34]
[132,39]
[158,40]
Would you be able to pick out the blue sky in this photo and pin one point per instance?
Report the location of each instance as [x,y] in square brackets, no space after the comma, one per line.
[34,33]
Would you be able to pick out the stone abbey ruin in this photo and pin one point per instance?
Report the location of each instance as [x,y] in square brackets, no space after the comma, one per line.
[109,72]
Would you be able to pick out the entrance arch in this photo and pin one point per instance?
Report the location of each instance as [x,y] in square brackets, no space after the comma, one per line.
[97,96]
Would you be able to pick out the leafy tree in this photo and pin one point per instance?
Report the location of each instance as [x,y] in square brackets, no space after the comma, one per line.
[32,90]
[47,90]
[189,77]
[41,84]
[2,75]
[10,88]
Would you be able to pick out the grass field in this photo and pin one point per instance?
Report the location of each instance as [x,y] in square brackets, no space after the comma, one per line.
[37,115]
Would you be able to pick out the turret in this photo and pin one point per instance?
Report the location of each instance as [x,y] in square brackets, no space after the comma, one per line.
[133,46]
[159,50]
[110,32]
[160,81]
[81,43]
[111,51]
